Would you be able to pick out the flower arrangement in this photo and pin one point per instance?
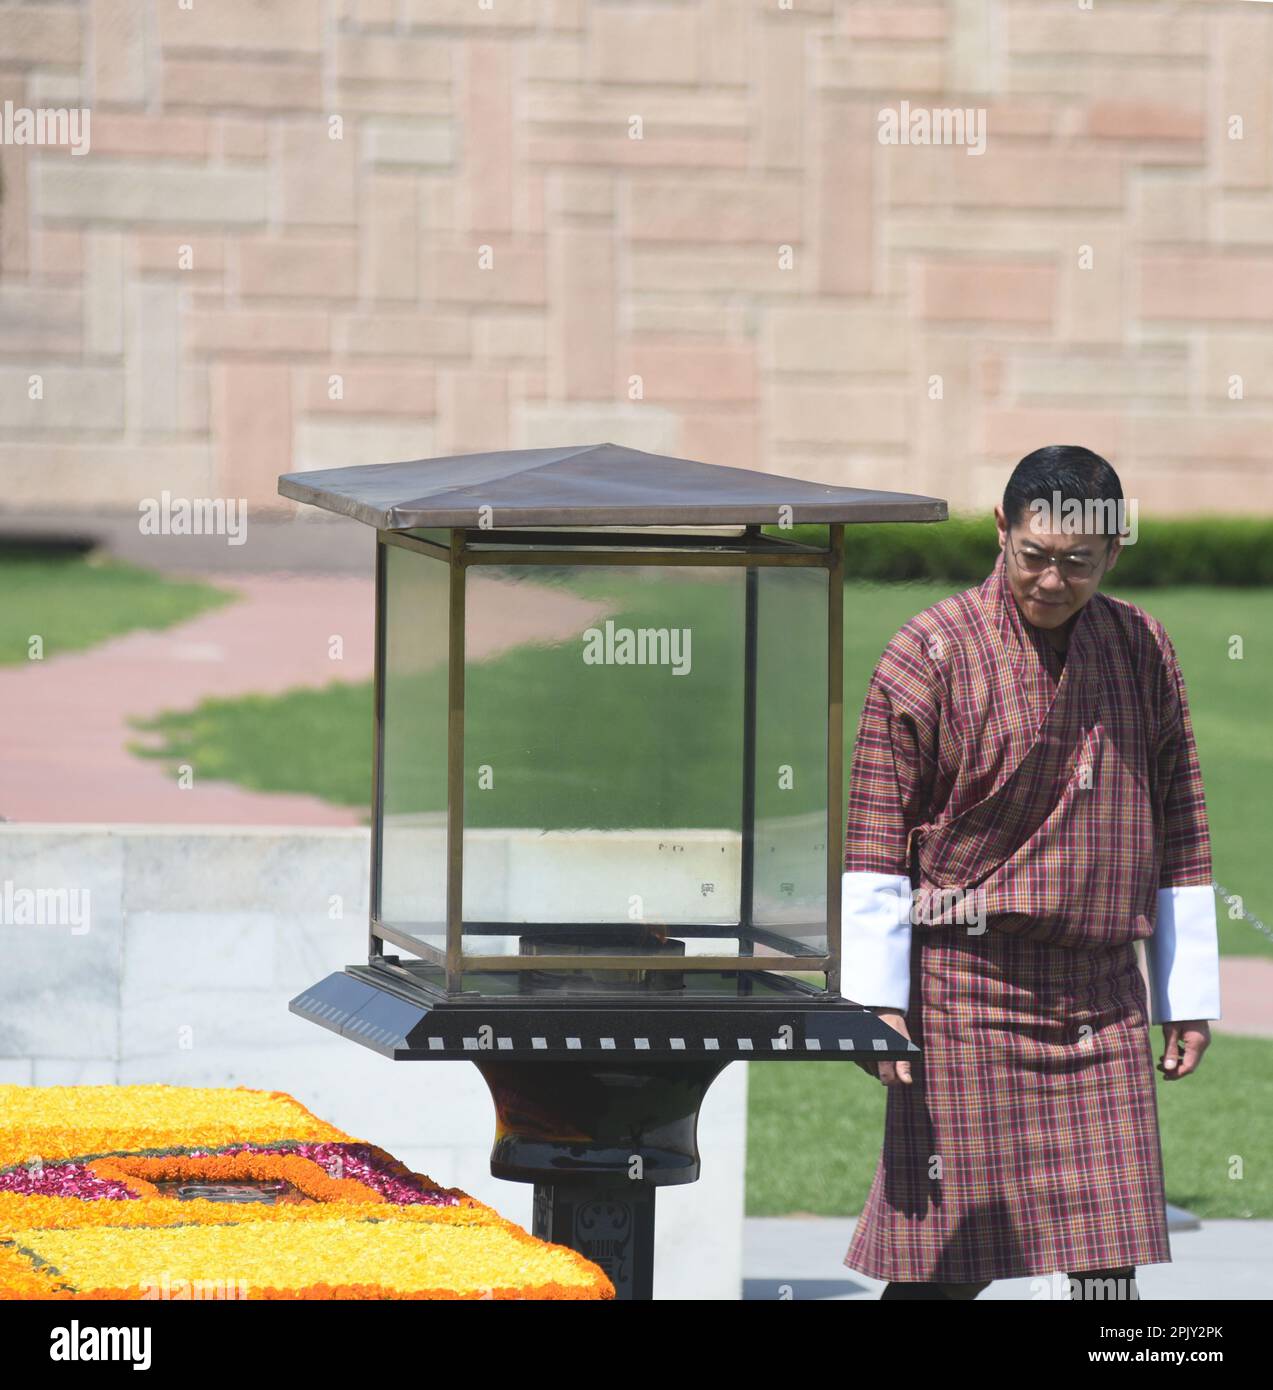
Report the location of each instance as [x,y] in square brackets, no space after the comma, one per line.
[52,1122]
[140,1173]
[84,1213]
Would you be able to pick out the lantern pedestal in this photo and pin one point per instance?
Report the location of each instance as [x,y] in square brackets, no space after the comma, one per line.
[613,1226]
[597,1139]
[596,1100]
[625,1121]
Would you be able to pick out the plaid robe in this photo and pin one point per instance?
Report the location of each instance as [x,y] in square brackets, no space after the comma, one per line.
[1040,807]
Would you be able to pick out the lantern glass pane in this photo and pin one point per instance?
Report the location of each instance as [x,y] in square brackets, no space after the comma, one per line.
[413,778]
[789,877]
[604,754]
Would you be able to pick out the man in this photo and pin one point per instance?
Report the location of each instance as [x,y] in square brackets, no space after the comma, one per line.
[1025,805]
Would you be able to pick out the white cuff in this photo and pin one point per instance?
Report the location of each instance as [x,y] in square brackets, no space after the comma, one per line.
[1183,956]
[875,940]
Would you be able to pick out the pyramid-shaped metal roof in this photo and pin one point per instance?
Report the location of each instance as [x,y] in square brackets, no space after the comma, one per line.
[586,485]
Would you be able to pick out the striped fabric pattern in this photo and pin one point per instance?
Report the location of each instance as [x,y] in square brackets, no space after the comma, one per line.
[1061,795]
[1028,1140]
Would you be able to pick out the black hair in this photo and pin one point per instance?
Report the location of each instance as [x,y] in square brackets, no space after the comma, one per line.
[1067,473]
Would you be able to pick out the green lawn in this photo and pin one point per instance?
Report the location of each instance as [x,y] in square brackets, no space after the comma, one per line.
[668,746]
[602,746]
[1233,721]
[75,602]
[814,1132]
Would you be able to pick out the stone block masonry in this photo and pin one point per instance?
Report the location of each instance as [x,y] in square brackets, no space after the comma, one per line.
[308,233]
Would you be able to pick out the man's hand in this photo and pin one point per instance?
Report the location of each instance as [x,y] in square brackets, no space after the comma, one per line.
[1190,1037]
[890,1073]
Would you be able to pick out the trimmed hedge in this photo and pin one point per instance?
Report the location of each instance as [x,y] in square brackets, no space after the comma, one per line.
[1235,551]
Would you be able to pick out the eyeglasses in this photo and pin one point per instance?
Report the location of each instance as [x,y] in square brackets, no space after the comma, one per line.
[1076,567]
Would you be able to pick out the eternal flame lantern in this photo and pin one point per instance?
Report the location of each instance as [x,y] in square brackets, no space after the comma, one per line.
[607,797]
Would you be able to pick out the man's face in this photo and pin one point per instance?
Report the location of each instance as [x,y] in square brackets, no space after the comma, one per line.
[1050,594]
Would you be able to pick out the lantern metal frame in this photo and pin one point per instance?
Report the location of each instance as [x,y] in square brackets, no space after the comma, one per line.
[752,550]
[597,1095]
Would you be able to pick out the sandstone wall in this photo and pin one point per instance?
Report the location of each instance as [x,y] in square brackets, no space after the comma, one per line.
[756,281]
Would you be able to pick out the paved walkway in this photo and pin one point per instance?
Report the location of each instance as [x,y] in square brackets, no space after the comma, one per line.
[65,733]
[802,1258]
[1246,996]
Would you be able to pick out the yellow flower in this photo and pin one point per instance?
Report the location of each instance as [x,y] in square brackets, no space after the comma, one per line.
[62,1213]
[51,1123]
[385,1260]
[348,1242]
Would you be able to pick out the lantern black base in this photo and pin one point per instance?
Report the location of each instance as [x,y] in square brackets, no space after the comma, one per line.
[611,1226]
[598,1140]
[624,1121]
[409,1022]
[596,1101]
